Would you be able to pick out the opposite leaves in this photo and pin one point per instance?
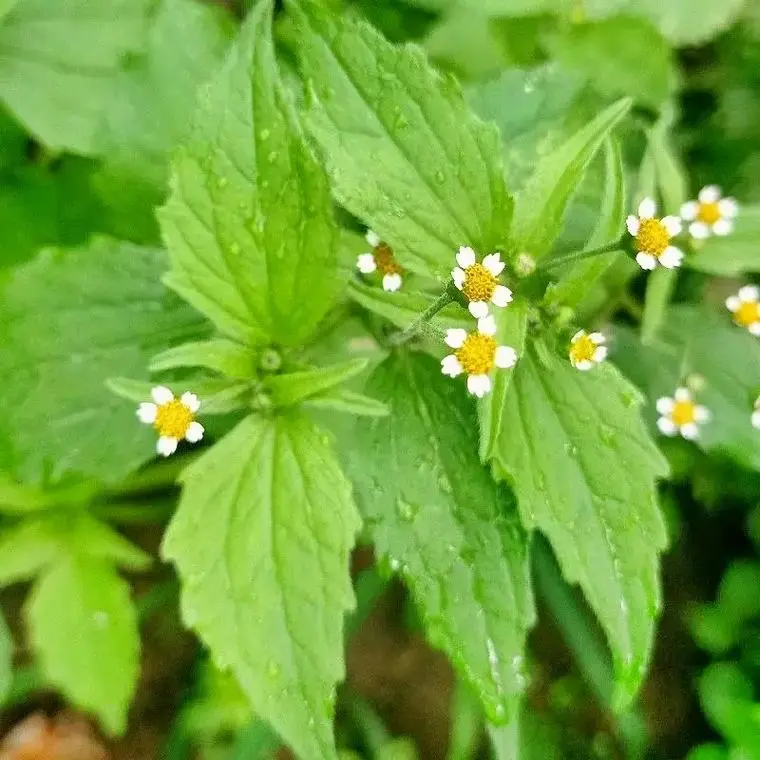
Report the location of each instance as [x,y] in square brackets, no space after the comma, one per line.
[261,541]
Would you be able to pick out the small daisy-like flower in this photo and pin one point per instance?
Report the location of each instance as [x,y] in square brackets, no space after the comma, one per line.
[381,259]
[745,306]
[173,418]
[587,350]
[653,237]
[680,415]
[756,414]
[477,353]
[711,214]
[479,281]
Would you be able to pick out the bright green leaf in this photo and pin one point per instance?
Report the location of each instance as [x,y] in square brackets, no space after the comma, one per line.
[403,151]
[292,387]
[219,355]
[735,254]
[583,467]
[349,403]
[249,220]
[83,627]
[261,541]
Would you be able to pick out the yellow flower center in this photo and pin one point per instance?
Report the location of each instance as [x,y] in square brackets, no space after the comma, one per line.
[477,354]
[684,413]
[385,261]
[653,237]
[709,213]
[173,419]
[582,349]
[748,313]
[479,283]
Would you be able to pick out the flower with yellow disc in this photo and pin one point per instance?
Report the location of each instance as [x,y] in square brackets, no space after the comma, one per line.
[479,281]
[381,259]
[680,415]
[711,214]
[586,350]
[652,237]
[173,418]
[745,307]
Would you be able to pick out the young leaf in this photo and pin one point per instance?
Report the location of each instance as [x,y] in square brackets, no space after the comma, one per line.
[583,468]
[69,320]
[249,220]
[261,541]
[349,403]
[437,518]
[291,388]
[540,206]
[83,627]
[219,355]
[404,152]
[59,60]
[732,255]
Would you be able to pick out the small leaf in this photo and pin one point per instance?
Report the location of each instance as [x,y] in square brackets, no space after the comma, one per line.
[583,467]
[403,151]
[261,541]
[249,223]
[541,204]
[348,402]
[293,387]
[219,355]
[735,254]
[83,627]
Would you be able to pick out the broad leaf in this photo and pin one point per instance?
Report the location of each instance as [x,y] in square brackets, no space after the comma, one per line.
[83,627]
[732,255]
[583,467]
[437,518]
[69,320]
[403,151]
[261,541]
[249,220]
[59,60]
[293,387]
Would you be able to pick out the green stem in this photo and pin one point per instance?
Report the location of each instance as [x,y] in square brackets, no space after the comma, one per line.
[573,256]
[449,295]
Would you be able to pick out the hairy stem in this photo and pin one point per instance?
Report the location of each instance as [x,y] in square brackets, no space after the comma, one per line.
[449,295]
[573,256]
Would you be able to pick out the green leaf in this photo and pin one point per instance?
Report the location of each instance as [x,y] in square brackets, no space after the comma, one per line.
[732,255]
[261,541]
[83,627]
[293,387]
[249,220]
[59,60]
[218,355]
[348,402]
[6,659]
[541,204]
[695,341]
[437,518]
[403,151]
[69,320]
[583,467]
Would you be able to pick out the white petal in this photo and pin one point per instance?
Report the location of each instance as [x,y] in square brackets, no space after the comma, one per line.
[728,208]
[665,405]
[647,208]
[733,303]
[671,257]
[451,366]
[391,282]
[600,354]
[465,257]
[754,328]
[478,309]
[455,337]
[190,400]
[723,227]
[146,413]
[166,446]
[479,385]
[666,426]
[194,432]
[702,414]
[487,325]
[646,261]
[505,357]
[162,395]
[690,431]
[583,365]
[577,335]
[458,275]
[365,263]
[756,419]
[502,295]
[598,338]
[672,224]
[689,210]
[493,264]
[709,194]
[749,293]
[633,224]
[372,238]
[682,394]
[699,230]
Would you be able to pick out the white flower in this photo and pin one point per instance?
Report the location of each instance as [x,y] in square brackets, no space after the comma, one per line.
[653,237]
[173,418]
[479,281]
[477,353]
[756,414]
[711,214]
[587,350]
[381,259]
[680,415]
[745,306]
